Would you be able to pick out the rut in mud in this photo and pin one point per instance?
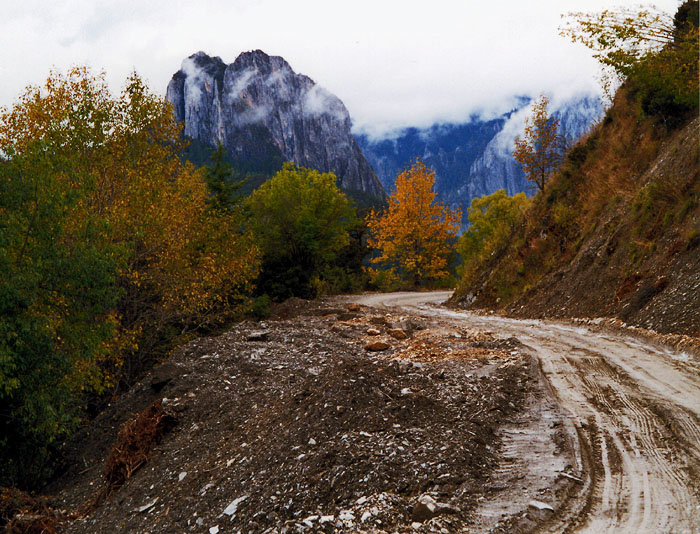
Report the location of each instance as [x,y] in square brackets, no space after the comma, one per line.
[634,417]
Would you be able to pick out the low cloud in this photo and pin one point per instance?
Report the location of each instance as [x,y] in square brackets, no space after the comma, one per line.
[318,101]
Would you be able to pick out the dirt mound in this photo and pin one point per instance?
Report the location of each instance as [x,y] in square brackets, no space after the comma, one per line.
[294,425]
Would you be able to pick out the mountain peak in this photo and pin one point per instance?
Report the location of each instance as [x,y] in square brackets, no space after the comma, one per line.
[259,60]
[262,111]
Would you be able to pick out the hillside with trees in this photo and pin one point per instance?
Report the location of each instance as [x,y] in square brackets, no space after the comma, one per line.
[615,230]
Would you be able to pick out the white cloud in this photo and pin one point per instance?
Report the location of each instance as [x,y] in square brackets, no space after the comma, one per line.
[393,63]
[318,101]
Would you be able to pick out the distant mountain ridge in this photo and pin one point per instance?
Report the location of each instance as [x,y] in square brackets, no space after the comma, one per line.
[473,158]
[264,113]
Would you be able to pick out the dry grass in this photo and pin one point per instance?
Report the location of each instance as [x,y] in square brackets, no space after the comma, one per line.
[134,445]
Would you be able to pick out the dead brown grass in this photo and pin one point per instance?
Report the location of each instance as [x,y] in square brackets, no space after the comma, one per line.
[20,513]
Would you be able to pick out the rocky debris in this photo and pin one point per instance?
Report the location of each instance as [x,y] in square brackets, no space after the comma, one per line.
[397,333]
[378,320]
[427,507]
[373,332]
[163,374]
[539,505]
[261,111]
[690,345]
[315,432]
[377,346]
[258,335]
[408,325]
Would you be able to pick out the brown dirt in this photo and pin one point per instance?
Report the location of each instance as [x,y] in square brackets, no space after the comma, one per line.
[285,423]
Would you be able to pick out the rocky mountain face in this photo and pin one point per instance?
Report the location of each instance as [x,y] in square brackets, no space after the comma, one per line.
[264,113]
[473,158]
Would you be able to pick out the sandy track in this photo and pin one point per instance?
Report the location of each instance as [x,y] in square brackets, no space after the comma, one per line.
[634,410]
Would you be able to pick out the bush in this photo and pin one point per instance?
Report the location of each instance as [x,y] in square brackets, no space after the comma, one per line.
[302,223]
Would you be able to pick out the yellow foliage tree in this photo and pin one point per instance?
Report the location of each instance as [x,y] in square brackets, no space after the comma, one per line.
[415,235]
[541,149]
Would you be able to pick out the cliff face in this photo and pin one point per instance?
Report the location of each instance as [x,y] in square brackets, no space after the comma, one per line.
[259,108]
[474,158]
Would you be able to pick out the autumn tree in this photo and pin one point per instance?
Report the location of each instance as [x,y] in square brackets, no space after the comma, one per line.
[107,248]
[541,149]
[301,221]
[656,52]
[414,236]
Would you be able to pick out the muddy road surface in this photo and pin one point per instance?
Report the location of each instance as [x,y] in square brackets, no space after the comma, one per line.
[633,420]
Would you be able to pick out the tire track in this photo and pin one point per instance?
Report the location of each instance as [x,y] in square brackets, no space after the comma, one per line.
[635,409]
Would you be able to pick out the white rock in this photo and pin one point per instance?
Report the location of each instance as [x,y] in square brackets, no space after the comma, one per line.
[405,391]
[362,500]
[326,519]
[312,441]
[214,530]
[540,505]
[231,508]
[181,476]
[146,507]
[346,515]
[309,521]
[365,516]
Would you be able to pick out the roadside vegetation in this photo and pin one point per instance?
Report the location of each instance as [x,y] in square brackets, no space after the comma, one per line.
[603,190]
[114,249]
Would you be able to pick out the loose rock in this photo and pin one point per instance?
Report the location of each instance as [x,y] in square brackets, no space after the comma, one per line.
[377,346]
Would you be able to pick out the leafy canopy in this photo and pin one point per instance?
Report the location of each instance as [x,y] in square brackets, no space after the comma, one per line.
[106,244]
[301,221]
[414,235]
[492,221]
[659,54]
[541,149]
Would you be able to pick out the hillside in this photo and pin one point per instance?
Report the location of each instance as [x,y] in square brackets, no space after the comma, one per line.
[616,233]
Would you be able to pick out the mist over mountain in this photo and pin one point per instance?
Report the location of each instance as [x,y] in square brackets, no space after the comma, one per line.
[264,114]
[473,158]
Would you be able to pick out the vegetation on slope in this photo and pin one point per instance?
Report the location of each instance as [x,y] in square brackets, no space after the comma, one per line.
[617,226]
[109,253]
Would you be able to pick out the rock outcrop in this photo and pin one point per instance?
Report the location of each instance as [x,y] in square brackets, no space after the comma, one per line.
[261,111]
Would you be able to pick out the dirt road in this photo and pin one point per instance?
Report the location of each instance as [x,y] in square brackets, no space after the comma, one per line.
[634,420]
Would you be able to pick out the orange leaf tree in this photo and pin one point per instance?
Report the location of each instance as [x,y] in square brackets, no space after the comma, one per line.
[541,148]
[415,235]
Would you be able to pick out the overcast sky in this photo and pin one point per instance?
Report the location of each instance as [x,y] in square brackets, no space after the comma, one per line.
[393,62]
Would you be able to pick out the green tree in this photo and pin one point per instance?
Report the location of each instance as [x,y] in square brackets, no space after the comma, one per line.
[541,149]
[107,247]
[492,221]
[301,222]
[222,182]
